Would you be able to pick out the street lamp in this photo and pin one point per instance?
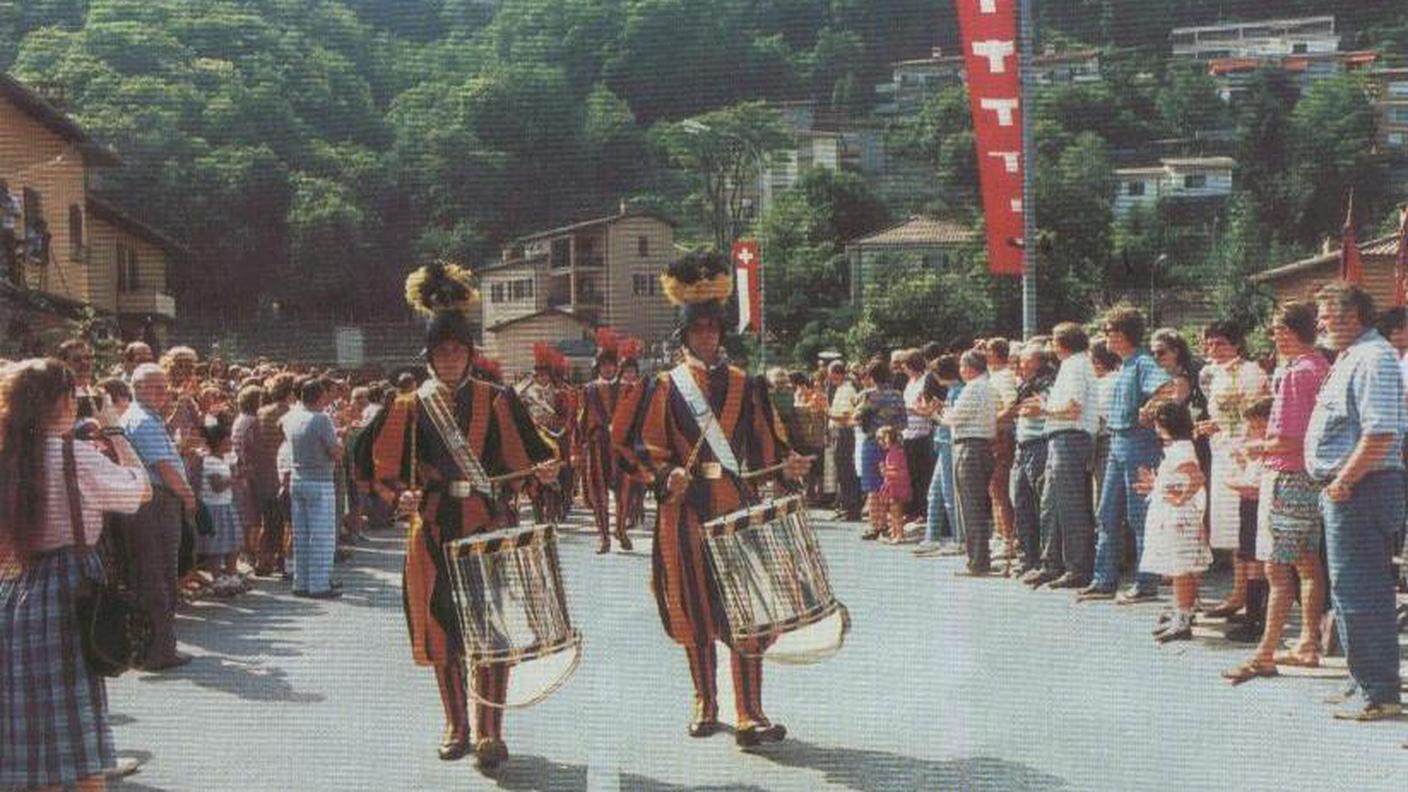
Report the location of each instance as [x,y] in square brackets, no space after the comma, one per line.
[696,127]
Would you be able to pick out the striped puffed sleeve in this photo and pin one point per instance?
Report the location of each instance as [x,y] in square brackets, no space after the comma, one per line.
[770,444]
[516,439]
[382,453]
[625,425]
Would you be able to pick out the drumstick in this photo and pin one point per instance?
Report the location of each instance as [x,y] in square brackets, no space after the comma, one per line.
[504,478]
[750,474]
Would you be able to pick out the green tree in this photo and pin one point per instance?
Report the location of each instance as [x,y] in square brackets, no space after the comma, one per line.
[1188,102]
[804,235]
[921,304]
[1333,131]
[724,150]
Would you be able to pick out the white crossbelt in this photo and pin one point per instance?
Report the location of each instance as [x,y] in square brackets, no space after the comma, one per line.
[704,416]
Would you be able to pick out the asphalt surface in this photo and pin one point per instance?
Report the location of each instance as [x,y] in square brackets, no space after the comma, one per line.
[944,683]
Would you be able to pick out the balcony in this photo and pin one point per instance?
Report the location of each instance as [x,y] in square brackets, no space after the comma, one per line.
[147,301]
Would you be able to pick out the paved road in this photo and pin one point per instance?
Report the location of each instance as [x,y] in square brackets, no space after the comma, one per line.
[945,683]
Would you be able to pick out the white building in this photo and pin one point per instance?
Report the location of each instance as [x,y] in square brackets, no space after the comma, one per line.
[1181,178]
[1267,38]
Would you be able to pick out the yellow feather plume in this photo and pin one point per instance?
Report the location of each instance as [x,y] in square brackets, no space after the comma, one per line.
[718,287]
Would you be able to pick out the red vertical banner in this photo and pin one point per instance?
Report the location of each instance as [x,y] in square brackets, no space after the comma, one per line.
[746,263]
[989,34]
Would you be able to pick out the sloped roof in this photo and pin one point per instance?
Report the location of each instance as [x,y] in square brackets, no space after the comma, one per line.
[103,210]
[919,231]
[537,315]
[54,119]
[1382,246]
[585,224]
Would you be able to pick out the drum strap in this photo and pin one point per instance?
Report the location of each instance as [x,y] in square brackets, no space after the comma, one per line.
[699,406]
[432,395]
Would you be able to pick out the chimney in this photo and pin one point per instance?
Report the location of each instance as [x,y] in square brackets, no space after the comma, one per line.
[1327,246]
[936,53]
[623,206]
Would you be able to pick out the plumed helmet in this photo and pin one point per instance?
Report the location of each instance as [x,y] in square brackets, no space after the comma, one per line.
[700,283]
[445,294]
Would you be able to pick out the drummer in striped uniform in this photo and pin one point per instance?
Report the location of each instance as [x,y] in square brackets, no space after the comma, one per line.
[598,460]
[701,425]
[436,448]
[631,476]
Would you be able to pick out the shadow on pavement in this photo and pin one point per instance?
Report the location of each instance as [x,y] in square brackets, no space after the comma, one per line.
[536,774]
[249,681]
[878,770]
[635,783]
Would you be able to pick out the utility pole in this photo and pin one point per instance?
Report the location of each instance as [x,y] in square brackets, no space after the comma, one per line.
[1027,33]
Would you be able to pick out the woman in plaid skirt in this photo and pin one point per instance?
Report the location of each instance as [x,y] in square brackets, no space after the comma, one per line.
[53,713]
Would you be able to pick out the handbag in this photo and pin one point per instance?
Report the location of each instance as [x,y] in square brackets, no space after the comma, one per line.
[116,631]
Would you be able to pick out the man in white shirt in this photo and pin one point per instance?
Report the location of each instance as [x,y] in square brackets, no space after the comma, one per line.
[973,421]
[1072,421]
[843,403]
[1004,446]
[917,434]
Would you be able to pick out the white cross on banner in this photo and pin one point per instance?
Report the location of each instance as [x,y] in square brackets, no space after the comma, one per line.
[750,298]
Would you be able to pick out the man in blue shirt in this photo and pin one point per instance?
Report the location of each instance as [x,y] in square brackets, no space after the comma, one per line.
[1354,446]
[154,541]
[1132,446]
[316,450]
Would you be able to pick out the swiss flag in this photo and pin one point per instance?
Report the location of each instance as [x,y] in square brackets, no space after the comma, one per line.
[746,264]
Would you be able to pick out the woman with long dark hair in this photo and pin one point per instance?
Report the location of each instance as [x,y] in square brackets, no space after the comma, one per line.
[54,732]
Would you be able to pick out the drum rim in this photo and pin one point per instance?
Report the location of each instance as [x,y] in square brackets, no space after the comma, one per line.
[740,519]
[512,537]
[778,629]
[526,654]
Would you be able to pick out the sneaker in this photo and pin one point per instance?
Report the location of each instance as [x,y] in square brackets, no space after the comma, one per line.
[927,549]
[1341,696]
[1370,712]
[1133,596]
[1179,628]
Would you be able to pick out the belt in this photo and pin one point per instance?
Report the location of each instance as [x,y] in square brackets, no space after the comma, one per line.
[963,440]
[459,489]
[1027,444]
[1060,432]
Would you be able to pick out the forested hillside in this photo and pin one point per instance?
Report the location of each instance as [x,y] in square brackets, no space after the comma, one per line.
[301,147]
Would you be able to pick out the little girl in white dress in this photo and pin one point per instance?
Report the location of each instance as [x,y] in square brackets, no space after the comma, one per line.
[1175,541]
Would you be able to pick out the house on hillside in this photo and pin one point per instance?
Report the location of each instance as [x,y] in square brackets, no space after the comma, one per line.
[913,81]
[933,241]
[1299,280]
[557,284]
[64,251]
[1174,178]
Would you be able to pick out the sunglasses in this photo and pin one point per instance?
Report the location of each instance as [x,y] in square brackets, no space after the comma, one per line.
[1159,352]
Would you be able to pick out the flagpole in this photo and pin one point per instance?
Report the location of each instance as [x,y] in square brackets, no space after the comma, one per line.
[1027,34]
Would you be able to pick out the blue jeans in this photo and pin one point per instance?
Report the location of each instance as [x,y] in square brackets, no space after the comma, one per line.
[1129,451]
[941,497]
[314,534]
[1359,535]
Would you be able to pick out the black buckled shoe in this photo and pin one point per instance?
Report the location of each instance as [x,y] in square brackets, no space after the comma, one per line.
[489,754]
[704,727]
[757,734]
[453,748]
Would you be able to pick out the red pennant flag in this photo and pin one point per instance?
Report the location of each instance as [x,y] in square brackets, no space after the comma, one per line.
[1400,269]
[1351,267]
[746,264]
[988,29]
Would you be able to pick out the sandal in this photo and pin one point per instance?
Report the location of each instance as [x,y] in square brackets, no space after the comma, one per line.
[1223,610]
[1297,660]
[1248,671]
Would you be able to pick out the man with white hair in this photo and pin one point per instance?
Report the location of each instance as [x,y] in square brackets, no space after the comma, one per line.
[154,541]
